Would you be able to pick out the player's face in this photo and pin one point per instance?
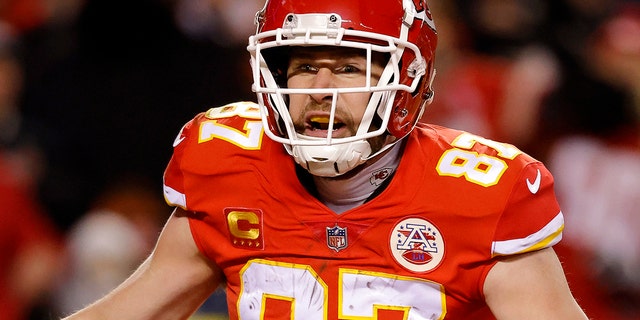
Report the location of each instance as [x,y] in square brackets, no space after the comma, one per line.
[329,67]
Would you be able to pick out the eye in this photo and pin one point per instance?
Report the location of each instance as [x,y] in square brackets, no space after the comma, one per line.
[301,68]
[350,69]
[305,67]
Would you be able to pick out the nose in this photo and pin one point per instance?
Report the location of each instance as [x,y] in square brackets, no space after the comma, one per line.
[322,79]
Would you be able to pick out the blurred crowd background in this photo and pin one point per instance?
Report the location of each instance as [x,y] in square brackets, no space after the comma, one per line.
[93,92]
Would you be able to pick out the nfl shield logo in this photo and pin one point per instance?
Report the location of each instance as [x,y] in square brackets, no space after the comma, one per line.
[337,238]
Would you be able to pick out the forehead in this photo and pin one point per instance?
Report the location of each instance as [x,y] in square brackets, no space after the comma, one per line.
[326,52]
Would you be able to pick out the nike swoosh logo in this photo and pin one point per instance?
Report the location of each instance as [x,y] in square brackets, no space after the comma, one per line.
[535,186]
[178,140]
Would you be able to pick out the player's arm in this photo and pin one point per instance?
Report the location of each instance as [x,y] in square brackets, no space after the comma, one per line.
[171,284]
[530,286]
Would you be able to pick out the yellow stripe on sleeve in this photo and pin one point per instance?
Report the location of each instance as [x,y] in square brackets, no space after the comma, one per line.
[548,236]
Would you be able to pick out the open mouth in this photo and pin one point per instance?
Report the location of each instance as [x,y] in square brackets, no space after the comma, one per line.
[316,123]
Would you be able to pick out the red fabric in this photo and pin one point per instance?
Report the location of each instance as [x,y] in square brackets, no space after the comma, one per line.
[284,231]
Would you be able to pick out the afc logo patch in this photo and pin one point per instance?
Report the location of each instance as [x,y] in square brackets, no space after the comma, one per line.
[337,238]
[416,244]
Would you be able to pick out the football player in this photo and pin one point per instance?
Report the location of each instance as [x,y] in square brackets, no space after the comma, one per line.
[364,213]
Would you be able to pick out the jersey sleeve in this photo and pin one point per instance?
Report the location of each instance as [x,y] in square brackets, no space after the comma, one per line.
[532,218]
[173,180]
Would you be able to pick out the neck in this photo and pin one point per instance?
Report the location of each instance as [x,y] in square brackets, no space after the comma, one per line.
[355,188]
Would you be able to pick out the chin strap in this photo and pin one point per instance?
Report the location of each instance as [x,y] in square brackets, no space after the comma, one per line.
[331,161]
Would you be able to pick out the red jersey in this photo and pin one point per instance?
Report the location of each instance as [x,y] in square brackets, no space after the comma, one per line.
[421,249]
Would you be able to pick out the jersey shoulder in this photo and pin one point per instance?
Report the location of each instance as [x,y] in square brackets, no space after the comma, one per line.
[436,138]
[500,178]
[225,122]
[218,142]
[220,132]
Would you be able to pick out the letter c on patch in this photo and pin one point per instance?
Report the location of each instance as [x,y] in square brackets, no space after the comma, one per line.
[245,227]
[249,230]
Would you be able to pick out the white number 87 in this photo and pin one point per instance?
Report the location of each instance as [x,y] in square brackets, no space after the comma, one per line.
[477,168]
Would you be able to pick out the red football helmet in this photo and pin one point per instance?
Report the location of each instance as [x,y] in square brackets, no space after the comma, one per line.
[402,29]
